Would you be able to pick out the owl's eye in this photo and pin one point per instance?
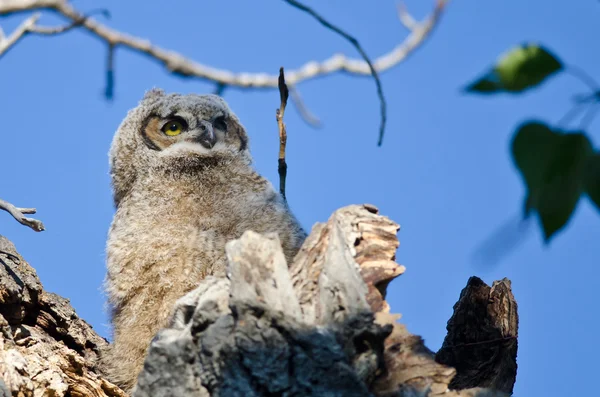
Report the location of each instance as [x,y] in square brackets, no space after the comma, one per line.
[173,127]
[220,123]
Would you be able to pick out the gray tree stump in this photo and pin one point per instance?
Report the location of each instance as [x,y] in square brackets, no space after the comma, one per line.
[319,326]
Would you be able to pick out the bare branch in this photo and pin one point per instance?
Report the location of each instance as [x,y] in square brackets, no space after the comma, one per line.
[110,73]
[361,51]
[12,6]
[418,35]
[584,77]
[282,165]
[219,89]
[18,214]
[178,64]
[30,26]
[306,114]
[25,27]
[405,18]
[54,30]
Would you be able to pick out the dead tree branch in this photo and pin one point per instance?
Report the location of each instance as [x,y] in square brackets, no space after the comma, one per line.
[30,26]
[361,51]
[180,65]
[305,114]
[282,165]
[54,30]
[25,27]
[482,337]
[19,215]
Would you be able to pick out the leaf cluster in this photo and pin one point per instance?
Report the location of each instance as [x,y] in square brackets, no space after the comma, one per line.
[558,166]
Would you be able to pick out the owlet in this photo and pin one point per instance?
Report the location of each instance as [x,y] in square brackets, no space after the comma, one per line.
[183,186]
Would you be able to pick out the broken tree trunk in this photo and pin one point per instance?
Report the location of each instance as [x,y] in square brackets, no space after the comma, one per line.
[45,349]
[319,326]
[482,337]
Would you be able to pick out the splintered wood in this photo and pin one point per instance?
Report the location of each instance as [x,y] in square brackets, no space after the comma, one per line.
[318,326]
[45,348]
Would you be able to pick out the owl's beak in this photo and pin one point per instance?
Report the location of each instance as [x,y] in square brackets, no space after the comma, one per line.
[207,137]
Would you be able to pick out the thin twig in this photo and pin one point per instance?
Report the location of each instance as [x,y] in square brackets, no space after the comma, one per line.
[586,102]
[25,27]
[356,44]
[18,214]
[407,20]
[305,114]
[30,26]
[587,98]
[109,90]
[54,30]
[282,165]
[582,76]
[219,89]
[589,116]
[501,241]
[575,110]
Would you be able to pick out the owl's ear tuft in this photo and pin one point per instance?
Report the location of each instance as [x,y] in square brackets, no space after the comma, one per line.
[153,93]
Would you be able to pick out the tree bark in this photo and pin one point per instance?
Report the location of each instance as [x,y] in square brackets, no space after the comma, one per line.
[45,348]
[318,326]
[482,337]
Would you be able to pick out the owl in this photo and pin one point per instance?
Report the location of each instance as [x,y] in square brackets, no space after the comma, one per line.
[183,186]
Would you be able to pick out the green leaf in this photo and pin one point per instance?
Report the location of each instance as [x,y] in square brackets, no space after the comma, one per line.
[592,179]
[519,69]
[525,67]
[552,164]
[485,85]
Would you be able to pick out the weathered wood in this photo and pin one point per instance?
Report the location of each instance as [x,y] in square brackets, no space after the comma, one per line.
[319,326]
[45,348]
[409,363]
[258,272]
[325,275]
[321,329]
[257,343]
[482,337]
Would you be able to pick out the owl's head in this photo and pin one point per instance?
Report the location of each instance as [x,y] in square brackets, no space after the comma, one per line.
[176,130]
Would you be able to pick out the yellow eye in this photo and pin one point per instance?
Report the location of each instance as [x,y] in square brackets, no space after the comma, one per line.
[173,128]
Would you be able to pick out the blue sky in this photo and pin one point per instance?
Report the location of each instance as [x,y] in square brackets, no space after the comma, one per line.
[444,171]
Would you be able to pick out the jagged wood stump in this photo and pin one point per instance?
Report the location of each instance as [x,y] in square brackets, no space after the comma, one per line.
[45,348]
[319,326]
[482,337]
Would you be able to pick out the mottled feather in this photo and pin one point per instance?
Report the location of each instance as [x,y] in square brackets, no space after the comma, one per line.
[178,201]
